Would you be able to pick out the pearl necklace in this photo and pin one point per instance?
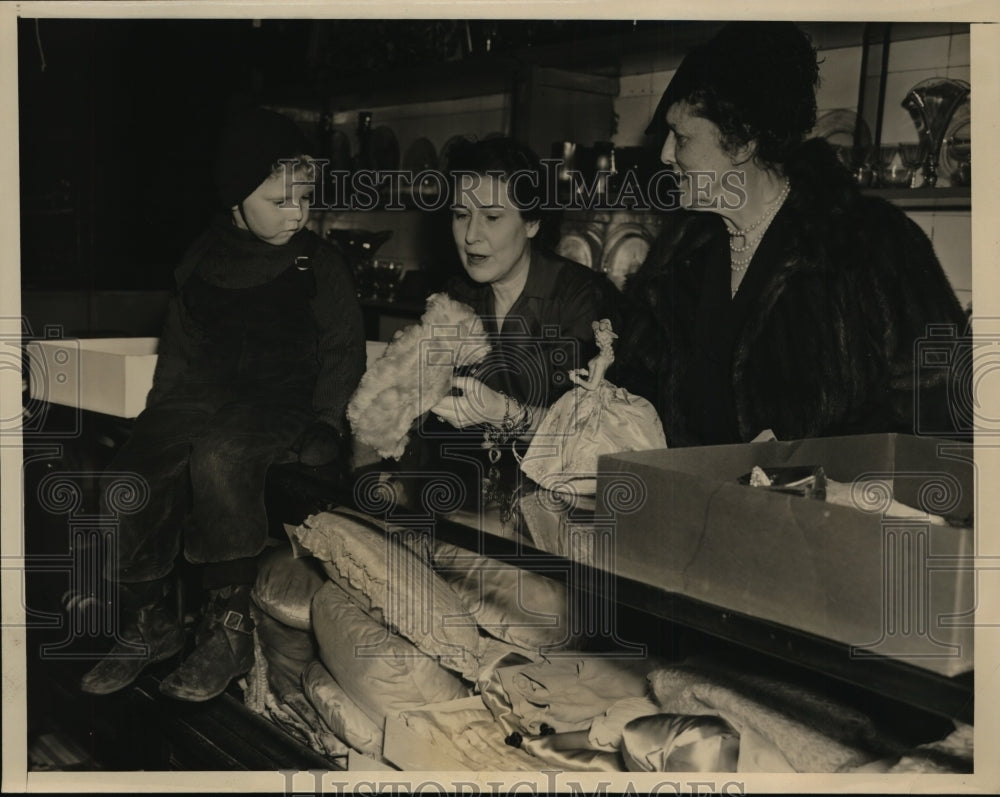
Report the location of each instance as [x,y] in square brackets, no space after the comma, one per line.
[776,202]
[739,265]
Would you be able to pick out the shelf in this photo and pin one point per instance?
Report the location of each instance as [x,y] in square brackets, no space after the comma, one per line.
[959,198]
[449,81]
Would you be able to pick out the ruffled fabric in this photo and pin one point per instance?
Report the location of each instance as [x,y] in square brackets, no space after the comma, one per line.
[411,597]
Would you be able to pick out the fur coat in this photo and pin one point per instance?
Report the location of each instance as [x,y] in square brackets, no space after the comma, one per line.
[829,340]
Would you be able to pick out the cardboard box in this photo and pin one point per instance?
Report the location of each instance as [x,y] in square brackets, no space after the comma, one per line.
[894,587]
[373,350]
[108,375]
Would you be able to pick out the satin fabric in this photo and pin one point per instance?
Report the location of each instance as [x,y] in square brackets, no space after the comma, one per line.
[793,729]
[469,736]
[384,673]
[606,731]
[571,751]
[288,652]
[523,608]
[495,696]
[340,712]
[285,587]
[582,425]
[678,743]
[380,573]
[566,694]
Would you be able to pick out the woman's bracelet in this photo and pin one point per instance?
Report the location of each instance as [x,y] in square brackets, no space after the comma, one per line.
[515,427]
[511,427]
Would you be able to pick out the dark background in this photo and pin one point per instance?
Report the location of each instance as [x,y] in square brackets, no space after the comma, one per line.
[118,118]
[117,137]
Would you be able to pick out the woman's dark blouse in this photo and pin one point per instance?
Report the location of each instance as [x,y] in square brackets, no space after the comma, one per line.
[547,332]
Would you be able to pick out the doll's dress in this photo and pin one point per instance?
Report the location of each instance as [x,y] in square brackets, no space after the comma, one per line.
[584,424]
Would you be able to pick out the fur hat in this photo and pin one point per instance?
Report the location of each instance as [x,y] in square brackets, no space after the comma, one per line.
[252,142]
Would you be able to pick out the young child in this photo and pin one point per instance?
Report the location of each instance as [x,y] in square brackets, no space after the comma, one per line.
[262,348]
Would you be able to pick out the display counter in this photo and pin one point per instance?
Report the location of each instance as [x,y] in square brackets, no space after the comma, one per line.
[573,542]
[562,539]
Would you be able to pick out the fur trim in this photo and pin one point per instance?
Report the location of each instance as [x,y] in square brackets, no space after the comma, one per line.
[412,376]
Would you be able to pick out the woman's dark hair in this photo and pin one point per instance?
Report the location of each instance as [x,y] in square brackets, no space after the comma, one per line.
[516,163]
[756,81]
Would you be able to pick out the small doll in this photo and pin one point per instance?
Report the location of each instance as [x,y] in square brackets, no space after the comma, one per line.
[591,376]
[594,418]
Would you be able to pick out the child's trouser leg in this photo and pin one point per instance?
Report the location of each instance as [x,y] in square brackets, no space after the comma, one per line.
[228,529]
[149,526]
[228,469]
[146,496]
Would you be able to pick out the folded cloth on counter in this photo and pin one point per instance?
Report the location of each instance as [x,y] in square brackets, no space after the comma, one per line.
[384,673]
[297,717]
[523,608]
[385,575]
[494,695]
[677,743]
[811,732]
[607,729]
[285,586]
[470,736]
[571,751]
[568,693]
[340,713]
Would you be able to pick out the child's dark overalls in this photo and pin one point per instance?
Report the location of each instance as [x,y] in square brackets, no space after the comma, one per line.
[205,448]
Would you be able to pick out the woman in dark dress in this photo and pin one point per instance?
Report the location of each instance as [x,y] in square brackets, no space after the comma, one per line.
[779,297]
[538,308]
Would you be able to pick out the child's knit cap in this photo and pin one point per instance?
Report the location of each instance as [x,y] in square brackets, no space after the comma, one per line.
[253,141]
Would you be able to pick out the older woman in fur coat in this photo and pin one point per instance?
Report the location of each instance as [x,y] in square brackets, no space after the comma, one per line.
[780,297]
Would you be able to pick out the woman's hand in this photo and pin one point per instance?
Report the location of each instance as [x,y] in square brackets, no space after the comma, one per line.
[475,404]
